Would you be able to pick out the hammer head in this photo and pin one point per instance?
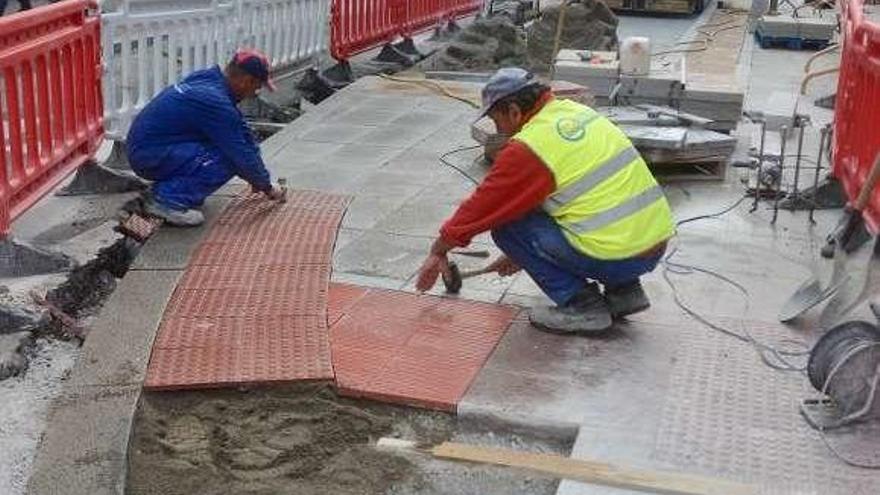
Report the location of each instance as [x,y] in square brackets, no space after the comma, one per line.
[453,281]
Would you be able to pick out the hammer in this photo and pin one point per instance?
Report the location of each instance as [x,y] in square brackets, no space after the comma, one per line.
[456,277]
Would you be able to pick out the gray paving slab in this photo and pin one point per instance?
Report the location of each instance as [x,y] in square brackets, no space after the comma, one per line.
[366,210]
[170,248]
[117,350]
[84,450]
[382,254]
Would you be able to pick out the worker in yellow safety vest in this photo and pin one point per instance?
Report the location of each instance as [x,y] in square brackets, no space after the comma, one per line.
[568,199]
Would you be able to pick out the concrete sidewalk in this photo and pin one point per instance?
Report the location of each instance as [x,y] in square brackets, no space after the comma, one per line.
[663,392]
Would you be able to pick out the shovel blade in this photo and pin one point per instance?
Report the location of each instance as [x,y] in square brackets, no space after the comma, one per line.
[807,296]
[862,284]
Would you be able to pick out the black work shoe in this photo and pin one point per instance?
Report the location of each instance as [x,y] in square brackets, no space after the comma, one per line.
[626,299]
[586,313]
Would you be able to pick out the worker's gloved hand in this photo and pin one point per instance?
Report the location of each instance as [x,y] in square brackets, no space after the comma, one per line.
[504,266]
[276,194]
[434,265]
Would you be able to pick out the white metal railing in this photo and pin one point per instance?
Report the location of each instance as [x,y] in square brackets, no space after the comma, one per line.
[149,44]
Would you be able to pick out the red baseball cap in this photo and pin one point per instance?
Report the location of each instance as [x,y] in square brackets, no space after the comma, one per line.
[254,63]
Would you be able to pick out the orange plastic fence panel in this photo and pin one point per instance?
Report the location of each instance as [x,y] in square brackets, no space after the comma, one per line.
[856,140]
[361,25]
[50,99]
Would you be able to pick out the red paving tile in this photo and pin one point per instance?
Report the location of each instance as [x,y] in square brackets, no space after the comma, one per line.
[415,350]
[342,297]
[251,307]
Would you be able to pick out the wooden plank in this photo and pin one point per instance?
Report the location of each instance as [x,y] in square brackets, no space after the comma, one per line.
[593,472]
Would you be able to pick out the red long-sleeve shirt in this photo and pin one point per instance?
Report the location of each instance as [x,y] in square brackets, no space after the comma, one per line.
[517,183]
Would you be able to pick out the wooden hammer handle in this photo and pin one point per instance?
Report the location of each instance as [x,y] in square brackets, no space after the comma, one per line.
[474,273]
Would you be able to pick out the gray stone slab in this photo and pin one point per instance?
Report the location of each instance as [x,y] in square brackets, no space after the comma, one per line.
[371,113]
[84,450]
[170,248]
[397,135]
[381,254]
[367,281]
[119,343]
[539,378]
[417,217]
[324,177]
[288,152]
[367,209]
[341,133]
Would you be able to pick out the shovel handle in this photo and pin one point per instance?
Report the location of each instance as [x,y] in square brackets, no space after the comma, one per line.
[868,186]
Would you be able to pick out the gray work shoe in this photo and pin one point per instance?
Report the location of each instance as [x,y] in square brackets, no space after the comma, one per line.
[627,299]
[587,313]
[177,218]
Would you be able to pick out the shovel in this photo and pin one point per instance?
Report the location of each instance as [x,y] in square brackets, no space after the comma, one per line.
[853,293]
[811,293]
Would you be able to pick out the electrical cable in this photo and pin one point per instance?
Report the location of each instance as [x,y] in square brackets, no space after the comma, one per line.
[780,357]
[432,85]
[772,356]
[444,161]
[862,346]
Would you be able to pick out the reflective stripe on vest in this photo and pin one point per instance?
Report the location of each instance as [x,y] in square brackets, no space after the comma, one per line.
[629,207]
[589,181]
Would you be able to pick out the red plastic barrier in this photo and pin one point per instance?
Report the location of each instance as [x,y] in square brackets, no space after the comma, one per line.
[360,25]
[856,117]
[50,99]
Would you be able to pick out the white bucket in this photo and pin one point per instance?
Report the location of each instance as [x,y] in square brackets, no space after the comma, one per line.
[635,56]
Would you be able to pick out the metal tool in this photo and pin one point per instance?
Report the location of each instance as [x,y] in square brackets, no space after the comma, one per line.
[760,167]
[795,193]
[823,139]
[454,281]
[844,365]
[282,184]
[784,133]
[811,292]
[481,253]
[851,294]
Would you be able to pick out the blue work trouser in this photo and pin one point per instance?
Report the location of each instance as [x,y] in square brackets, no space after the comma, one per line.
[537,244]
[184,174]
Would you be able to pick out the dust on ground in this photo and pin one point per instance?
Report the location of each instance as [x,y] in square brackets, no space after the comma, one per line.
[489,44]
[24,402]
[300,440]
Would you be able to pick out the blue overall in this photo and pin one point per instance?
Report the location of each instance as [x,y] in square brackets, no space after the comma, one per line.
[191,139]
[537,244]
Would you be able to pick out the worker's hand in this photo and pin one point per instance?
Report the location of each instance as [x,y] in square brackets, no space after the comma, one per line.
[434,265]
[504,266]
[276,194]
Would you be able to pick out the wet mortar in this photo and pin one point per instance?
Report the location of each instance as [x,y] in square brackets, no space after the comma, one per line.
[305,440]
[89,285]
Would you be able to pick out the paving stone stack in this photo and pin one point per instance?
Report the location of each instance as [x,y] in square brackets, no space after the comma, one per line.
[816,26]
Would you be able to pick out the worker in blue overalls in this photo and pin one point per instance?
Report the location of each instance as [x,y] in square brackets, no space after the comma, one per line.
[191,139]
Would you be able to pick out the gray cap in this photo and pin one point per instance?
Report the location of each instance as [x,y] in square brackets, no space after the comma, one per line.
[505,82]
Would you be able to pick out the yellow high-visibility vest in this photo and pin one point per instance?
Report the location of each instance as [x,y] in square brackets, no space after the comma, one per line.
[606,201]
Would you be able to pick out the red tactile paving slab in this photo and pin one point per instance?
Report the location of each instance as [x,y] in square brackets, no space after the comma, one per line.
[138,227]
[341,298]
[416,350]
[251,307]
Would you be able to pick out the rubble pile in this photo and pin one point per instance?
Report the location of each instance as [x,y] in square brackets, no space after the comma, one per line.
[485,45]
[588,25]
